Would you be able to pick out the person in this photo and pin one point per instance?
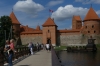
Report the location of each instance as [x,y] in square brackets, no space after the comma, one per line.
[31,47]
[47,46]
[37,45]
[10,52]
[6,49]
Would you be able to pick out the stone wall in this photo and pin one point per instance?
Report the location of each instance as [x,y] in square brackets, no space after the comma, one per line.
[34,39]
[64,40]
[69,39]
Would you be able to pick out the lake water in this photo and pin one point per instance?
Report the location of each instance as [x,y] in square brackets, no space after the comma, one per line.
[79,58]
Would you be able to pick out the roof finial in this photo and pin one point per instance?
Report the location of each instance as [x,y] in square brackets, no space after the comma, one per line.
[38,24]
[91,5]
[12,9]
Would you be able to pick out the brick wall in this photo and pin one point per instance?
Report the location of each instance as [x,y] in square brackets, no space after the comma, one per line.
[34,39]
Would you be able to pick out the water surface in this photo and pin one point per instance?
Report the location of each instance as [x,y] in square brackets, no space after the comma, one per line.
[79,58]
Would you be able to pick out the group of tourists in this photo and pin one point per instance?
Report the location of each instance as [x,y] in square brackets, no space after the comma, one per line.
[9,51]
[38,47]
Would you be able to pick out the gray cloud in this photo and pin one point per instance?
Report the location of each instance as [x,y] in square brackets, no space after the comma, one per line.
[28,6]
[88,1]
[63,13]
[98,12]
[55,2]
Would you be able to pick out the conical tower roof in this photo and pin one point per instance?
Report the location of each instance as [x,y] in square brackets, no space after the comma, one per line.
[13,18]
[38,27]
[49,22]
[91,15]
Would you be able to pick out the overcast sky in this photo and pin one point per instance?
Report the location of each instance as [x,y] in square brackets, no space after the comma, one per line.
[36,12]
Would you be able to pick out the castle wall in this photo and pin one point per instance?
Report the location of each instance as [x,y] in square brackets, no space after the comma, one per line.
[64,39]
[71,38]
[31,38]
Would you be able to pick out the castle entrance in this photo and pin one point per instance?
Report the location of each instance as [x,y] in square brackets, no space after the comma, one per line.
[49,40]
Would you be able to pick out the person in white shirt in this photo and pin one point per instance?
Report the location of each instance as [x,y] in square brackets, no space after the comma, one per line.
[47,47]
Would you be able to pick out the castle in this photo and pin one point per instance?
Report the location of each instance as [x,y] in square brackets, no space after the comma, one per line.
[50,34]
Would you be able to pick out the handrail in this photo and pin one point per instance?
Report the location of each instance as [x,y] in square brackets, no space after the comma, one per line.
[55,60]
[20,51]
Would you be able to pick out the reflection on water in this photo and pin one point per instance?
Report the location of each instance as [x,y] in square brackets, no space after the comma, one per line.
[79,58]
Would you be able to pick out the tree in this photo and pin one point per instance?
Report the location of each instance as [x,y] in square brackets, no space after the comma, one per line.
[5,27]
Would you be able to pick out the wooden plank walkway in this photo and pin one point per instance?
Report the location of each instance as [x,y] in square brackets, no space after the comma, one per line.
[41,58]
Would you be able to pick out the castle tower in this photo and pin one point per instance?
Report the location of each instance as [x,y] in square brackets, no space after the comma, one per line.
[76,22]
[38,28]
[16,24]
[91,23]
[49,32]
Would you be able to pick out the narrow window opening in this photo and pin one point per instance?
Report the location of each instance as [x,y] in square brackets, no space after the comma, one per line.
[48,31]
[94,31]
[88,31]
[92,26]
[85,26]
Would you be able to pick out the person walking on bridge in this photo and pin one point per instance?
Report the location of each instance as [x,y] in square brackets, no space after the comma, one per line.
[47,46]
[31,47]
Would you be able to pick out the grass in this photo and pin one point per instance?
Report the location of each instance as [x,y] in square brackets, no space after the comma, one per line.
[58,48]
[98,46]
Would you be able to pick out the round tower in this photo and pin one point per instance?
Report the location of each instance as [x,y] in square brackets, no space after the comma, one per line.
[15,25]
[91,23]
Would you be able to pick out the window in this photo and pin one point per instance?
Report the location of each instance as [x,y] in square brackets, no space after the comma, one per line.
[92,26]
[88,31]
[85,26]
[48,31]
[94,31]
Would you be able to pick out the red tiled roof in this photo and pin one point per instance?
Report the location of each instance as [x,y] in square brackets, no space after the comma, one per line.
[32,32]
[28,30]
[69,31]
[91,15]
[38,28]
[49,22]
[13,18]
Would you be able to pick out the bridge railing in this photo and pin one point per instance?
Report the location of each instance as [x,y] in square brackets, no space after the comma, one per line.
[20,51]
[55,60]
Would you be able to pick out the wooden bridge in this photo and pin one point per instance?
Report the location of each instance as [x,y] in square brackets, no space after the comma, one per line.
[40,58]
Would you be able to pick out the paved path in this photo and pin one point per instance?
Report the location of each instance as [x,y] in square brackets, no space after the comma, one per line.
[41,58]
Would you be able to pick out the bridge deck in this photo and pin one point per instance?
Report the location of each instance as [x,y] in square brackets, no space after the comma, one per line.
[41,58]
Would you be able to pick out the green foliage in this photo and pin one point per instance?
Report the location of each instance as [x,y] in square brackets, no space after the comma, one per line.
[98,46]
[5,25]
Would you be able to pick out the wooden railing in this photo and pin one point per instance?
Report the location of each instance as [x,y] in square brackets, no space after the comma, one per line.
[20,51]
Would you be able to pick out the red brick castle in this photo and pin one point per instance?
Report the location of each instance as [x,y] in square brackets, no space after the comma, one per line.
[49,32]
